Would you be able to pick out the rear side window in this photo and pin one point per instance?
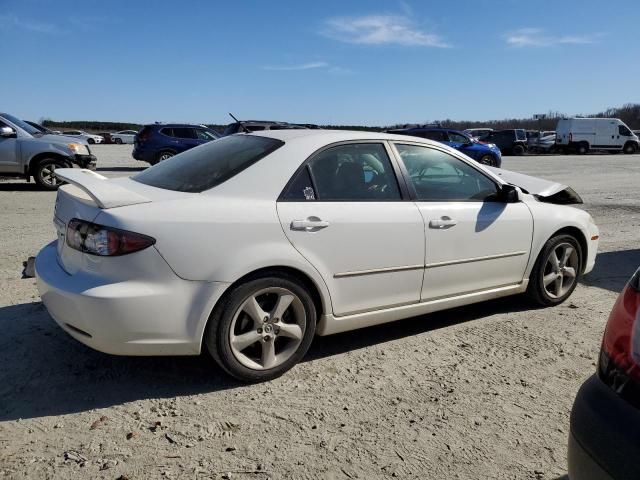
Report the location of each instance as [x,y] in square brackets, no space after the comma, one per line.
[436,135]
[167,131]
[211,164]
[182,132]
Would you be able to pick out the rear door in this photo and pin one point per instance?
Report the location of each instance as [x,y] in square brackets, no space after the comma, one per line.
[473,241]
[345,213]
[187,138]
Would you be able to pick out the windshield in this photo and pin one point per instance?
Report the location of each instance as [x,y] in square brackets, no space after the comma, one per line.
[23,125]
[208,165]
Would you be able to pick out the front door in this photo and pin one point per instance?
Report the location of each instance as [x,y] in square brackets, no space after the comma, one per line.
[344,212]
[8,152]
[473,241]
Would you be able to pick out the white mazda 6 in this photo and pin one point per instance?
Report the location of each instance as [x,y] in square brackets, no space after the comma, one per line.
[251,245]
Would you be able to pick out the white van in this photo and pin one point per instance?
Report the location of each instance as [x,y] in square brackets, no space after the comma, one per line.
[584,134]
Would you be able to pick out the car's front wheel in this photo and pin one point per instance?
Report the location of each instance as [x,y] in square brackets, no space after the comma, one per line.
[262,328]
[488,160]
[91,141]
[630,148]
[44,174]
[118,141]
[556,271]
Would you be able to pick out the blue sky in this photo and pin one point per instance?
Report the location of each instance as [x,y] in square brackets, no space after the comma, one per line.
[339,62]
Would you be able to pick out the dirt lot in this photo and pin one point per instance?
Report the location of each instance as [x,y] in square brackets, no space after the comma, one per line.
[473,393]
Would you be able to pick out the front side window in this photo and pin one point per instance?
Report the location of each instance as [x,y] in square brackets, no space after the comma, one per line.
[622,130]
[208,165]
[521,135]
[458,138]
[352,172]
[204,135]
[439,177]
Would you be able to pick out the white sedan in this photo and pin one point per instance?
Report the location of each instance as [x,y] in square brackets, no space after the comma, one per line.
[125,136]
[250,245]
[89,137]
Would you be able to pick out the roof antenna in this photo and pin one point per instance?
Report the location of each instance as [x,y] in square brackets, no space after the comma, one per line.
[245,129]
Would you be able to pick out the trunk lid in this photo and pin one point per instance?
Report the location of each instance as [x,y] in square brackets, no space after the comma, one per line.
[85,195]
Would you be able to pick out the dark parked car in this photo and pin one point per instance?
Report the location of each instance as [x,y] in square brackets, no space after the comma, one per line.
[158,142]
[604,442]
[106,136]
[510,142]
[257,125]
[486,154]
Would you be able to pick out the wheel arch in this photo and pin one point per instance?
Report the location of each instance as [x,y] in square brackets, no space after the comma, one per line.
[319,295]
[579,235]
[36,159]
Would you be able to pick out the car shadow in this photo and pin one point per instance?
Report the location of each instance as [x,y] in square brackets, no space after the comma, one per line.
[21,187]
[46,372]
[613,269]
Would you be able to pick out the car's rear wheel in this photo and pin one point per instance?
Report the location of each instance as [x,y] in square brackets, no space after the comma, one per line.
[44,174]
[118,141]
[262,328]
[518,150]
[165,155]
[556,271]
[488,160]
[630,148]
[582,148]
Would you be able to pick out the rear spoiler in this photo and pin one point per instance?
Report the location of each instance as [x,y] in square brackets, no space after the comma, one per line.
[106,194]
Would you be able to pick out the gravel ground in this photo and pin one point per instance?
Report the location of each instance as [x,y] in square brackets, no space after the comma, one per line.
[477,392]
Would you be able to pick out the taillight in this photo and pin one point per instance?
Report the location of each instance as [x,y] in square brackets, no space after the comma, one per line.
[97,239]
[619,365]
[143,136]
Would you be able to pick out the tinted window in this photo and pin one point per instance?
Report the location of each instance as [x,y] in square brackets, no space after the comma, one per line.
[184,132]
[255,128]
[208,165]
[521,135]
[438,176]
[624,131]
[458,138]
[354,172]
[300,188]
[436,135]
[167,131]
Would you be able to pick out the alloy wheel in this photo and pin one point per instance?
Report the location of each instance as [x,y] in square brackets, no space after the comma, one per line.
[560,270]
[267,328]
[48,175]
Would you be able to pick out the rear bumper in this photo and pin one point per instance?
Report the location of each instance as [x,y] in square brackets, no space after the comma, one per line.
[604,443]
[155,314]
[144,155]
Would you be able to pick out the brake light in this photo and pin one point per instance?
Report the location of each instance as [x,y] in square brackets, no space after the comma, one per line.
[619,365]
[104,241]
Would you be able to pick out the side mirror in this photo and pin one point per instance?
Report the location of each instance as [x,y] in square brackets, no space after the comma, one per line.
[8,132]
[510,194]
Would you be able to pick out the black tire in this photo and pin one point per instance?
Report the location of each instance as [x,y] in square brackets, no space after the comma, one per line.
[630,148]
[488,160]
[217,335]
[43,173]
[582,148]
[536,289]
[518,150]
[91,141]
[164,155]
[118,141]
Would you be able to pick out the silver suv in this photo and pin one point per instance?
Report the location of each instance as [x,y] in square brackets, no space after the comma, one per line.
[27,152]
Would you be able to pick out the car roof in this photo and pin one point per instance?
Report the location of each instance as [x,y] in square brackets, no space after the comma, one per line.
[186,125]
[333,136]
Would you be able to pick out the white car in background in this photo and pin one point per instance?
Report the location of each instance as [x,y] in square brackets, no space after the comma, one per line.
[250,245]
[89,137]
[125,136]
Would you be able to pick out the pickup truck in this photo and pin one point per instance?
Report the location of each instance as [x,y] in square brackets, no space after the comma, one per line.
[27,152]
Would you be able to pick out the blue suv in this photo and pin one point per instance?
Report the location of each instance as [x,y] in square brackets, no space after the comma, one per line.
[487,154]
[158,142]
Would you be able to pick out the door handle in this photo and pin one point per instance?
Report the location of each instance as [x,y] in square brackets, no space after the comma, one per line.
[442,223]
[311,224]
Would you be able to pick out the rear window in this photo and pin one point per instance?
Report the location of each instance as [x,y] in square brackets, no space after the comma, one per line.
[211,164]
[521,135]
